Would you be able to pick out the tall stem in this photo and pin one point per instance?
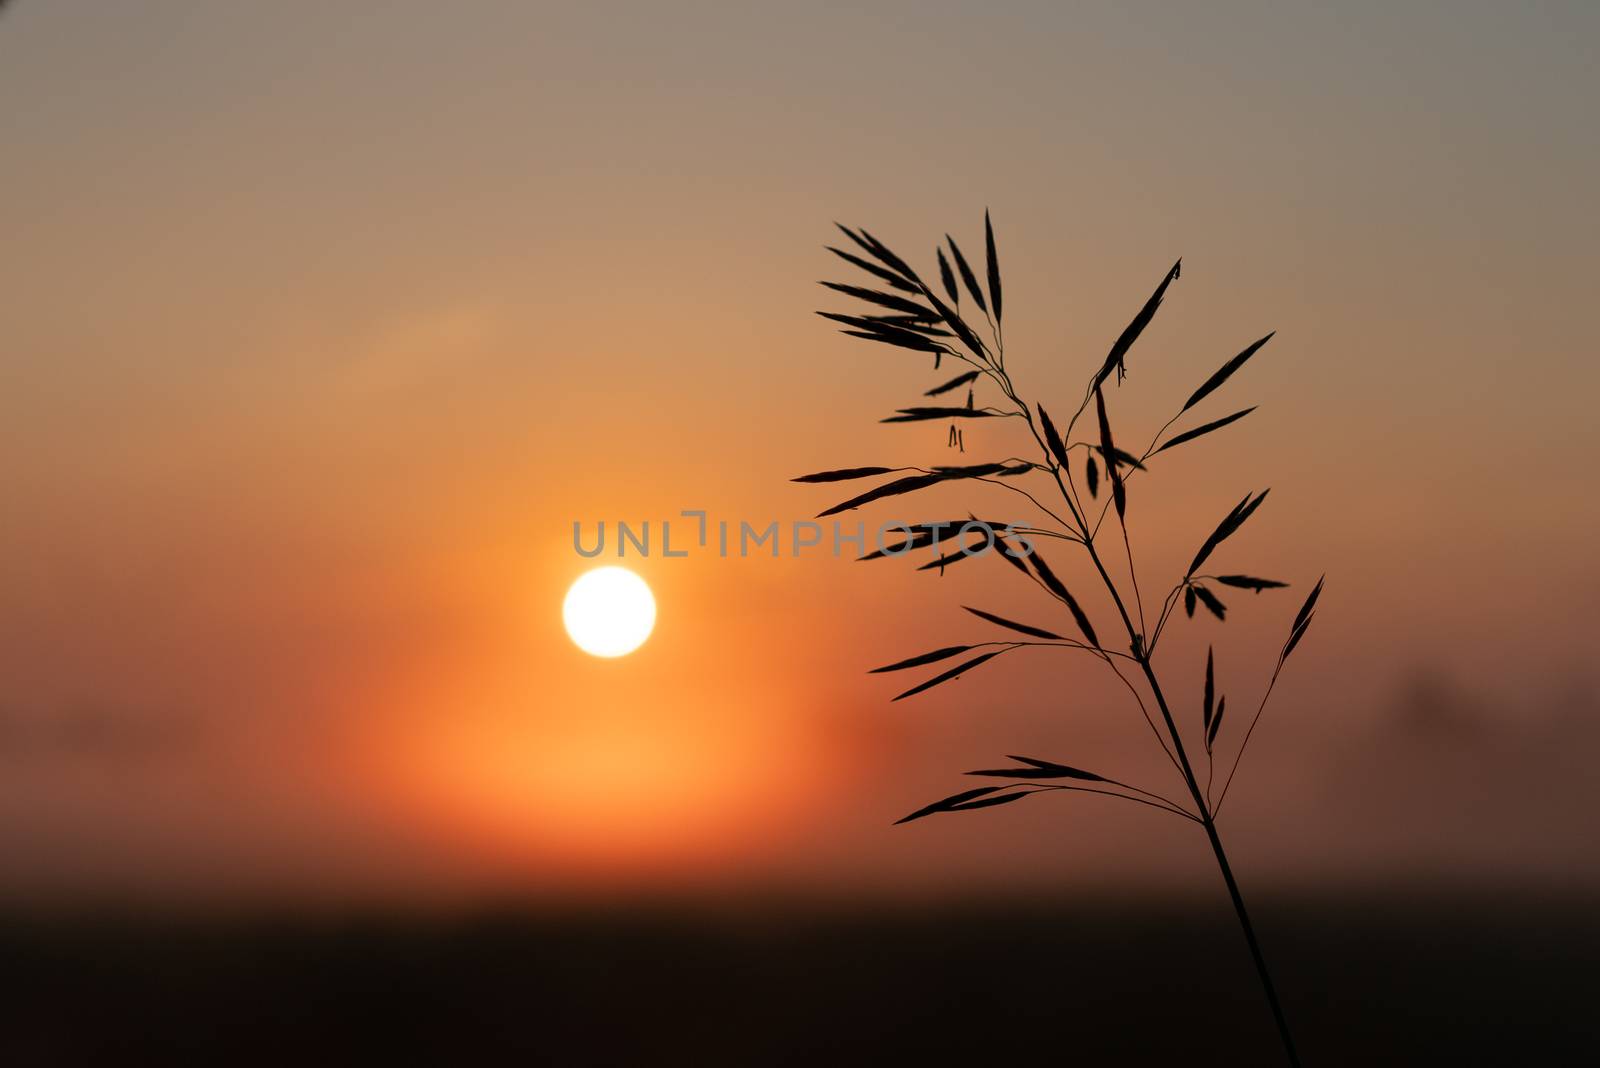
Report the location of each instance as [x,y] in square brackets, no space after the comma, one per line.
[1206,818]
[1250,938]
[1139,645]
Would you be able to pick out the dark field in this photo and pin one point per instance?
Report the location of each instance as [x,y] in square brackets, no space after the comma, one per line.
[1423,981]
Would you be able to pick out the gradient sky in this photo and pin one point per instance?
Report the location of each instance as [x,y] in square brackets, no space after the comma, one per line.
[325,322]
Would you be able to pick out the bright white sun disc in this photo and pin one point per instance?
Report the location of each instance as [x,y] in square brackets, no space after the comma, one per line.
[609,612]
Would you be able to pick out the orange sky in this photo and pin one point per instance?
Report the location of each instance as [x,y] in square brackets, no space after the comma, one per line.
[322,328]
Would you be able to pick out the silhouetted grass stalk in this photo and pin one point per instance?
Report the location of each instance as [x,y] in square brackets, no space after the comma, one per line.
[910,315]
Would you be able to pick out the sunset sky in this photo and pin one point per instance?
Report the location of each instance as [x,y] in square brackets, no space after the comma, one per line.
[324,323]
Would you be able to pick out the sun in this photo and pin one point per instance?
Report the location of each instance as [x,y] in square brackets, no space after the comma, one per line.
[609,612]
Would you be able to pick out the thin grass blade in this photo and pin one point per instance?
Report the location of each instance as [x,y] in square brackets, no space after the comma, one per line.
[889,277]
[1020,628]
[956,324]
[1248,582]
[1304,614]
[1121,458]
[923,658]
[1040,769]
[989,802]
[1057,587]
[994,264]
[908,484]
[948,803]
[1216,724]
[889,259]
[955,383]
[844,474]
[948,278]
[1212,602]
[946,676]
[1014,558]
[1116,360]
[915,415]
[880,298]
[1119,494]
[1224,373]
[915,323]
[1230,523]
[1052,439]
[911,483]
[904,341]
[1216,424]
[1294,639]
[966,274]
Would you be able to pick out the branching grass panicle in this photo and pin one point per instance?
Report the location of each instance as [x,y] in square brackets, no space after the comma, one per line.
[1072,463]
